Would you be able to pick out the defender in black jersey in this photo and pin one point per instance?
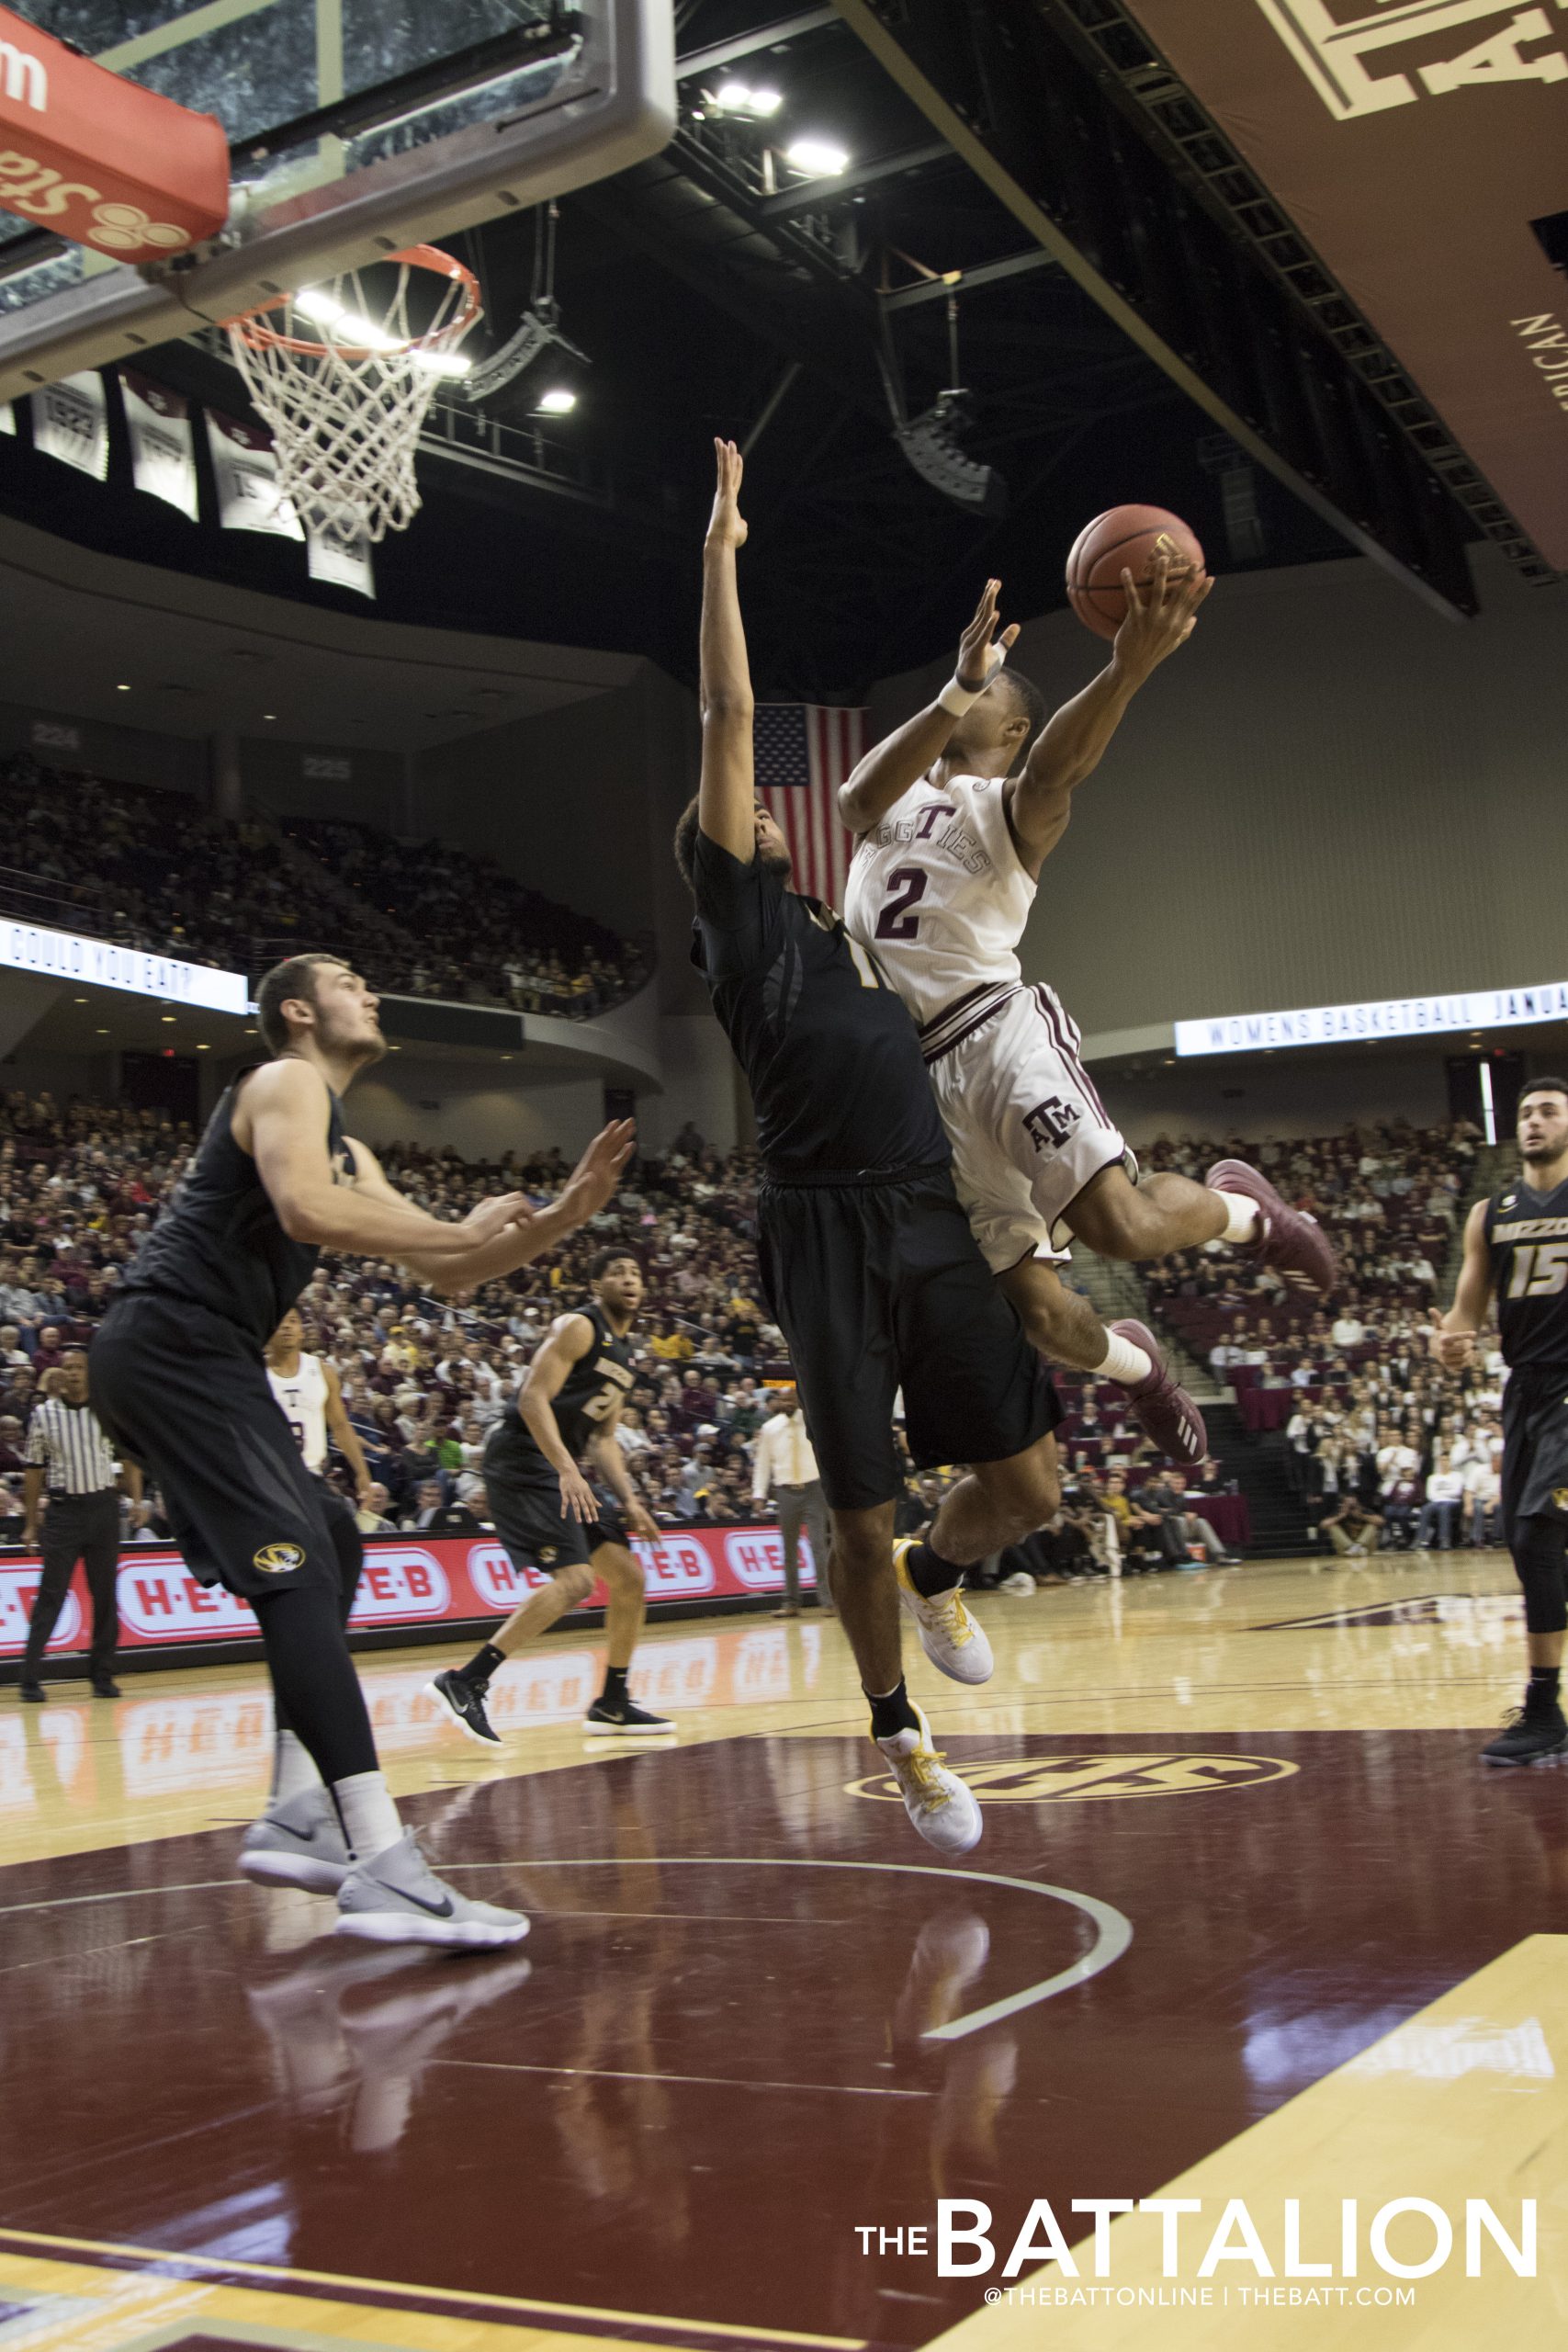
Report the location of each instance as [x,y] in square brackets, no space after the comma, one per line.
[866,1255]
[1516,1249]
[178,1376]
[549,1516]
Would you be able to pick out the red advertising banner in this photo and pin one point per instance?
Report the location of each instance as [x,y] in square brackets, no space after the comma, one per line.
[1421,147]
[101,160]
[408,1580]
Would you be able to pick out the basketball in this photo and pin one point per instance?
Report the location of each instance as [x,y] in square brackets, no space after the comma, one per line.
[1124,539]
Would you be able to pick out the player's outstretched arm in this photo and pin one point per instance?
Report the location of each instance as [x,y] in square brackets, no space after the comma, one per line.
[281,1120]
[482,1249]
[727,798]
[888,769]
[1076,739]
[1452,1336]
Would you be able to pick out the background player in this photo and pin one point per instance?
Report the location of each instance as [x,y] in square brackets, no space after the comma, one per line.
[548,1516]
[1515,1246]
[309,1397]
[865,1253]
[956,811]
[178,1371]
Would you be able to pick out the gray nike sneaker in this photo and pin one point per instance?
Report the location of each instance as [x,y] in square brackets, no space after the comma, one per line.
[298,1844]
[397,1899]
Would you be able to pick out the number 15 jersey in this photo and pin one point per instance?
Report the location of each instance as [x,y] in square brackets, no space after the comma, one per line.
[938,893]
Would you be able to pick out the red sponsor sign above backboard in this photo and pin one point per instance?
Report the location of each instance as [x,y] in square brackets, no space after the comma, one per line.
[1422,150]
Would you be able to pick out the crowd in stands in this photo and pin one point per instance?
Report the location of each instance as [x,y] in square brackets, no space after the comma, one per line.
[1383,1445]
[169,876]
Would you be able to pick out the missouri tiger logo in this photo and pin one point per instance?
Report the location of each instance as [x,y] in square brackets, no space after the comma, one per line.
[1077,1780]
[278,1559]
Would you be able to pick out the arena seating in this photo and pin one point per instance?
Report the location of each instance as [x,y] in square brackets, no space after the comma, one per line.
[158,870]
[423,1378]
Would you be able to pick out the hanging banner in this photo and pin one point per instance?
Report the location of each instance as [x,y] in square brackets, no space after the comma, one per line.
[1419,147]
[163,451]
[342,563]
[7,418]
[246,467]
[70,421]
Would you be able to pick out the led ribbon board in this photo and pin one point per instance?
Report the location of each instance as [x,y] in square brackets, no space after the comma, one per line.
[96,963]
[1400,1017]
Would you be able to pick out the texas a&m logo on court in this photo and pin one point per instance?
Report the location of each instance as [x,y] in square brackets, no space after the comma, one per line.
[1075,1780]
[1050,1123]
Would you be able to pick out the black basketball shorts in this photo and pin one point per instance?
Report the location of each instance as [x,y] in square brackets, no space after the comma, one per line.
[1535,1446]
[526,1510]
[185,1394]
[882,1286]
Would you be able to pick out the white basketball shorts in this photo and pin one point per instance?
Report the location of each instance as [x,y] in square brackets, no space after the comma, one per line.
[1027,1127]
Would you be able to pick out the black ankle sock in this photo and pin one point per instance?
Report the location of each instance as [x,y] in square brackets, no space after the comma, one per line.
[614,1691]
[483,1663]
[892,1713]
[1546,1682]
[929,1572]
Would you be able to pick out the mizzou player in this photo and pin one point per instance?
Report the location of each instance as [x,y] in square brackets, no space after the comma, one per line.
[179,1377]
[1516,1250]
[547,1515]
[956,813]
[866,1256]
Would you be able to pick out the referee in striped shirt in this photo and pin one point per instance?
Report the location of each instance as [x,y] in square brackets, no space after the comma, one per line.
[66,1446]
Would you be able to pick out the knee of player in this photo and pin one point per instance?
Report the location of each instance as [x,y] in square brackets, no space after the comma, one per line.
[1032,1497]
[622,1571]
[576,1582]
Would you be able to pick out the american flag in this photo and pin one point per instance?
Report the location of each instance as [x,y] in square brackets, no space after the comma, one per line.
[804,754]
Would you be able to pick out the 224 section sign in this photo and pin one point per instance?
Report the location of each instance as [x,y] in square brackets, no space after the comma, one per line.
[407,1581]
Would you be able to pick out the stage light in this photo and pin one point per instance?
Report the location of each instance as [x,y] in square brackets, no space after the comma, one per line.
[818,159]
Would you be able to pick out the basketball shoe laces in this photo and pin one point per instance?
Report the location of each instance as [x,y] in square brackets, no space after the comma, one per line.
[924,1766]
[952,1617]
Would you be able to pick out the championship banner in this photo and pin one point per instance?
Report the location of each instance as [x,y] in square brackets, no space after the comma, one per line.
[162,447]
[101,160]
[1420,149]
[341,563]
[70,421]
[245,468]
[408,1580]
[8,418]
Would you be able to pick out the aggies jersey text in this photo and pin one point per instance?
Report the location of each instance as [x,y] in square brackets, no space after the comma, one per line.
[938,893]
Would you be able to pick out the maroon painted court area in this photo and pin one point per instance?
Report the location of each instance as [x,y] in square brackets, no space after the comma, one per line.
[711,2062]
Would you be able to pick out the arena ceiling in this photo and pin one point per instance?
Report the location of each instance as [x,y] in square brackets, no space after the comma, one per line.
[1029,210]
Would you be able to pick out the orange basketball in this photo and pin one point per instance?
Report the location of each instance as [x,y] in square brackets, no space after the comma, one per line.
[1127,537]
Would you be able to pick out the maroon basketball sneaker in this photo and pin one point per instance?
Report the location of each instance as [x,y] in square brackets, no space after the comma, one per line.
[1292,1241]
[1164,1411]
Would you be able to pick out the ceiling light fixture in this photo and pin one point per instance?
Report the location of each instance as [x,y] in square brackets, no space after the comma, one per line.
[122,690]
[739,97]
[557,401]
[817,159]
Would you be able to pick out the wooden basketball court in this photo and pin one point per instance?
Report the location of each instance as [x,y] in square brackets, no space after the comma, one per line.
[1250,1921]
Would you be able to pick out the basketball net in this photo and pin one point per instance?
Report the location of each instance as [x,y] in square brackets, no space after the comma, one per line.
[344,381]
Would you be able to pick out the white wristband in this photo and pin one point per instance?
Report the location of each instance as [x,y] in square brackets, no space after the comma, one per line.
[956,698]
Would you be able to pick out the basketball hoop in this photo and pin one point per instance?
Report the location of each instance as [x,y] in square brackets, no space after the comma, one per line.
[345,388]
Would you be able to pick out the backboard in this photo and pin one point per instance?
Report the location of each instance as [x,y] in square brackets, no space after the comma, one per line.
[356,127]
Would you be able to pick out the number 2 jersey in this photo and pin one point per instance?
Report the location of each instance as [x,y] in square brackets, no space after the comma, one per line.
[938,893]
[1526,1233]
[583,1403]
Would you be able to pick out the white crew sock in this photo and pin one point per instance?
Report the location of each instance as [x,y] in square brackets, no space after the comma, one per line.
[1125,1361]
[293,1769]
[369,1817]
[1244,1218]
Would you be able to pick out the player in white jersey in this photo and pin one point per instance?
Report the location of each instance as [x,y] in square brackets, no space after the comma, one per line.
[310,1395]
[955,815]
